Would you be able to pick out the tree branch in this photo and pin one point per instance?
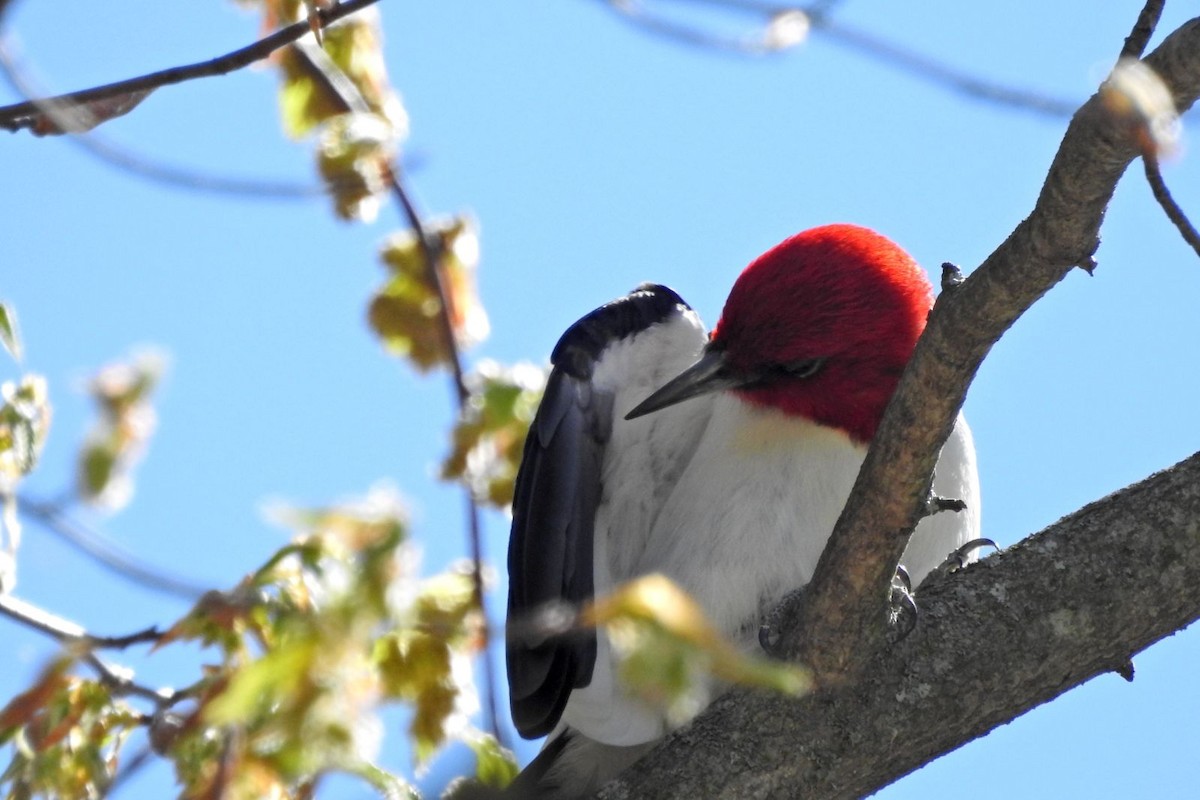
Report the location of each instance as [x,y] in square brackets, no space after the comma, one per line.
[64,630]
[842,615]
[992,642]
[760,40]
[1143,29]
[1163,195]
[22,115]
[72,636]
[939,73]
[52,517]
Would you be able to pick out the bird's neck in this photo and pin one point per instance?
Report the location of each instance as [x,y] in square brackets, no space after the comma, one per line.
[833,399]
[759,427]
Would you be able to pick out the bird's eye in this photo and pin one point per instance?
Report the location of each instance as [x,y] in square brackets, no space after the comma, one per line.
[804,368]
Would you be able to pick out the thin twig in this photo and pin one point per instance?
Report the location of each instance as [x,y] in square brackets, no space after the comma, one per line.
[73,636]
[161,172]
[18,78]
[119,682]
[635,13]
[1143,29]
[1163,195]
[336,83]
[105,552]
[927,69]
[431,253]
[22,115]
[64,630]
[820,21]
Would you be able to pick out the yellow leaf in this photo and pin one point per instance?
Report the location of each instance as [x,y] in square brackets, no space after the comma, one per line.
[495,766]
[489,437]
[353,157]
[24,422]
[258,684]
[405,311]
[667,644]
[353,47]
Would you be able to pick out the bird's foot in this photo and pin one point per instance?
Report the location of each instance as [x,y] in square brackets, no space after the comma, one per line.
[936,505]
[768,631]
[902,612]
[963,555]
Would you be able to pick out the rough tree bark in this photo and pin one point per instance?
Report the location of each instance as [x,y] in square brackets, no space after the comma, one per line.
[1001,637]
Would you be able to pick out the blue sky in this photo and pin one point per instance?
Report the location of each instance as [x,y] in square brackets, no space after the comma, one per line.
[595,157]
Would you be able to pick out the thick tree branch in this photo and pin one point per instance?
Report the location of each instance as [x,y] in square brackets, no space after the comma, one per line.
[842,616]
[992,642]
[21,115]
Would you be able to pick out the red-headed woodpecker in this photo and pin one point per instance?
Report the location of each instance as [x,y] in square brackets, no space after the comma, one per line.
[721,461]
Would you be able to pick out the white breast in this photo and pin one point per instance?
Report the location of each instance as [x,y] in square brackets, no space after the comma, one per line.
[743,523]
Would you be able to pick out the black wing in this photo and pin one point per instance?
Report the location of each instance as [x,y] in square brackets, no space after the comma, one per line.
[554,507]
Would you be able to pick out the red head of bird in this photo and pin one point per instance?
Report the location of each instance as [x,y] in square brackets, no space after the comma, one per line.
[820,326]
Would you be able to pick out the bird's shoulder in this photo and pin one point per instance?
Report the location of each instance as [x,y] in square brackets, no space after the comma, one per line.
[622,320]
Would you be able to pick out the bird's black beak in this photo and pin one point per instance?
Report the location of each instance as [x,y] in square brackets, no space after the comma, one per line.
[709,374]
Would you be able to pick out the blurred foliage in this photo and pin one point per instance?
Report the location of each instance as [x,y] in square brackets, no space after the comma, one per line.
[353,155]
[489,438]
[24,422]
[668,649]
[123,427]
[308,648]
[405,311]
[337,87]
[354,45]
[10,334]
[65,734]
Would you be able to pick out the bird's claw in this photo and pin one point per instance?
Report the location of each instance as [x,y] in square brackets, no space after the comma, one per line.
[965,554]
[314,17]
[768,631]
[936,505]
[903,612]
[768,638]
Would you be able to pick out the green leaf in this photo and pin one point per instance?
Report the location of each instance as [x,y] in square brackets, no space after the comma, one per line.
[24,421]
[489,438]
[495,766]
[10,334]
[259,684]
[97,464]
[666,646]
[389,786]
